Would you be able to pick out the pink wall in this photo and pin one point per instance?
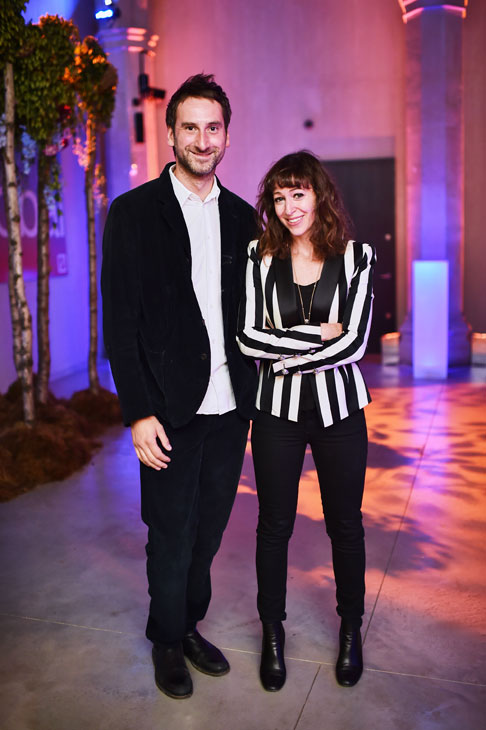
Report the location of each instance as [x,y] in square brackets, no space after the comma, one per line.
[342,65]
[475,164]
[283,62]
[337,63]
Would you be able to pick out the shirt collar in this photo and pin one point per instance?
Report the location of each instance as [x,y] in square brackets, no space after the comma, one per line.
[183,194]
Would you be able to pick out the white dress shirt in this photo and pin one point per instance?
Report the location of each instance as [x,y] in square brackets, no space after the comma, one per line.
[202,221]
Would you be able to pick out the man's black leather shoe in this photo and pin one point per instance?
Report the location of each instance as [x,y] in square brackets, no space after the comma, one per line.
[171,673]
[203,655]
[272,666]
[349,666]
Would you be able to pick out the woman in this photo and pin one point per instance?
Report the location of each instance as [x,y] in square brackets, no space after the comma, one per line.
[306,317]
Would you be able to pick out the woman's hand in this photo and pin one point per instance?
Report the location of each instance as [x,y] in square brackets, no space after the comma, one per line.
[329,330]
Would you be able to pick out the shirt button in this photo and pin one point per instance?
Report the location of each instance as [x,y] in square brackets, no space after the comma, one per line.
[204,356]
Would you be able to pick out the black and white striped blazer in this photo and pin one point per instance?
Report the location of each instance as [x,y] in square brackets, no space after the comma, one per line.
[270,329]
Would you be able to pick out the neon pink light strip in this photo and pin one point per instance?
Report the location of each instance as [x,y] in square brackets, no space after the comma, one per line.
[403,4]
[418,11]
[455,9]
[412,13]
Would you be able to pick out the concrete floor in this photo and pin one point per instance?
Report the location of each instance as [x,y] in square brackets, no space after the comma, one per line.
[73,602]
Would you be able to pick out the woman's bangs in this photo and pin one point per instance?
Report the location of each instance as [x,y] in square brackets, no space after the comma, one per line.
[287,179]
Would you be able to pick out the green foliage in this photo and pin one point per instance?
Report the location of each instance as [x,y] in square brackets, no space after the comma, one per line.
[11,29]
[94,80]
[45,98]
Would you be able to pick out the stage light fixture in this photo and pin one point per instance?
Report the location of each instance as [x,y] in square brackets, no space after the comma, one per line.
[110,12]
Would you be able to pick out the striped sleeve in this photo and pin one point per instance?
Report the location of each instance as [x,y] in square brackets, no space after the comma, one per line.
[350,346]
[256,337]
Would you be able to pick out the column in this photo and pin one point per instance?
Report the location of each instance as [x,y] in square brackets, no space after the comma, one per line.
[434,152]
[130,48]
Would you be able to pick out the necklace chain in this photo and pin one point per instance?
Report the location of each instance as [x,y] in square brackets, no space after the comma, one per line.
[306,319]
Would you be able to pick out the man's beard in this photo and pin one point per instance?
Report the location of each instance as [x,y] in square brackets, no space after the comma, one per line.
[194,166]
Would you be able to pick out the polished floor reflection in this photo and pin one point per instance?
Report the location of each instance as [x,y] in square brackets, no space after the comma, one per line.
[72,606]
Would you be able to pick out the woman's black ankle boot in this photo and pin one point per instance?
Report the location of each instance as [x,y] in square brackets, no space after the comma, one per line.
[349,666]
[272,667]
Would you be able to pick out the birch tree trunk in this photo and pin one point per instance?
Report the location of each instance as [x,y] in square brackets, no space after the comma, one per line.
[20,313]
[43,270]
[94,383]
[14,314]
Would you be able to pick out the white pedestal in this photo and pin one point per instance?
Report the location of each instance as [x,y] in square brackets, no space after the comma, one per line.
[390,348]
[430,294]
[478,348]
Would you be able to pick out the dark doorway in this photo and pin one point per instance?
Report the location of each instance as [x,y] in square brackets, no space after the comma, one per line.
[368,191]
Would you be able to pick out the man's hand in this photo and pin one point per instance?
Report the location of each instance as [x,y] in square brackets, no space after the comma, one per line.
[329,330]
[144,434]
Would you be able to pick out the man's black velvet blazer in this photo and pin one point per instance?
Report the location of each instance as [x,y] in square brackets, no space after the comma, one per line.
[155,336]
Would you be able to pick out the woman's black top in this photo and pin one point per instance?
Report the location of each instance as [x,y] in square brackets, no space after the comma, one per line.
[307,398]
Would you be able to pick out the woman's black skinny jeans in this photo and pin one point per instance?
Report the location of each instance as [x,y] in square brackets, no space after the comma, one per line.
[339,453]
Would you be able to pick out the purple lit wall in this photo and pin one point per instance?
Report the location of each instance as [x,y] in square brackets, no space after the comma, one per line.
[69,293]
[64,8]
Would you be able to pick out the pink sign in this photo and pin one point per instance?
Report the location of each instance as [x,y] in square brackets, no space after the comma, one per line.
[28,229]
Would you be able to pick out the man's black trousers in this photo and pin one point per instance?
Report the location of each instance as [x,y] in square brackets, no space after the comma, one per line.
[186,508]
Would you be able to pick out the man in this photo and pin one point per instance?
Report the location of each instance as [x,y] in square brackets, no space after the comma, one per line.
[174,257]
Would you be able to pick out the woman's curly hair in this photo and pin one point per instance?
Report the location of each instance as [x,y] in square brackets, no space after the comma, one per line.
[329,232]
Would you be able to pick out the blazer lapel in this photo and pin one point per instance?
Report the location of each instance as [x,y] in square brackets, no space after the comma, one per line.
[286,296]
[326,288]
[172,213]
[228,228]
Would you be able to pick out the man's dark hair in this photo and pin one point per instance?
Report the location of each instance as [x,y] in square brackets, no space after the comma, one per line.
[202,86]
